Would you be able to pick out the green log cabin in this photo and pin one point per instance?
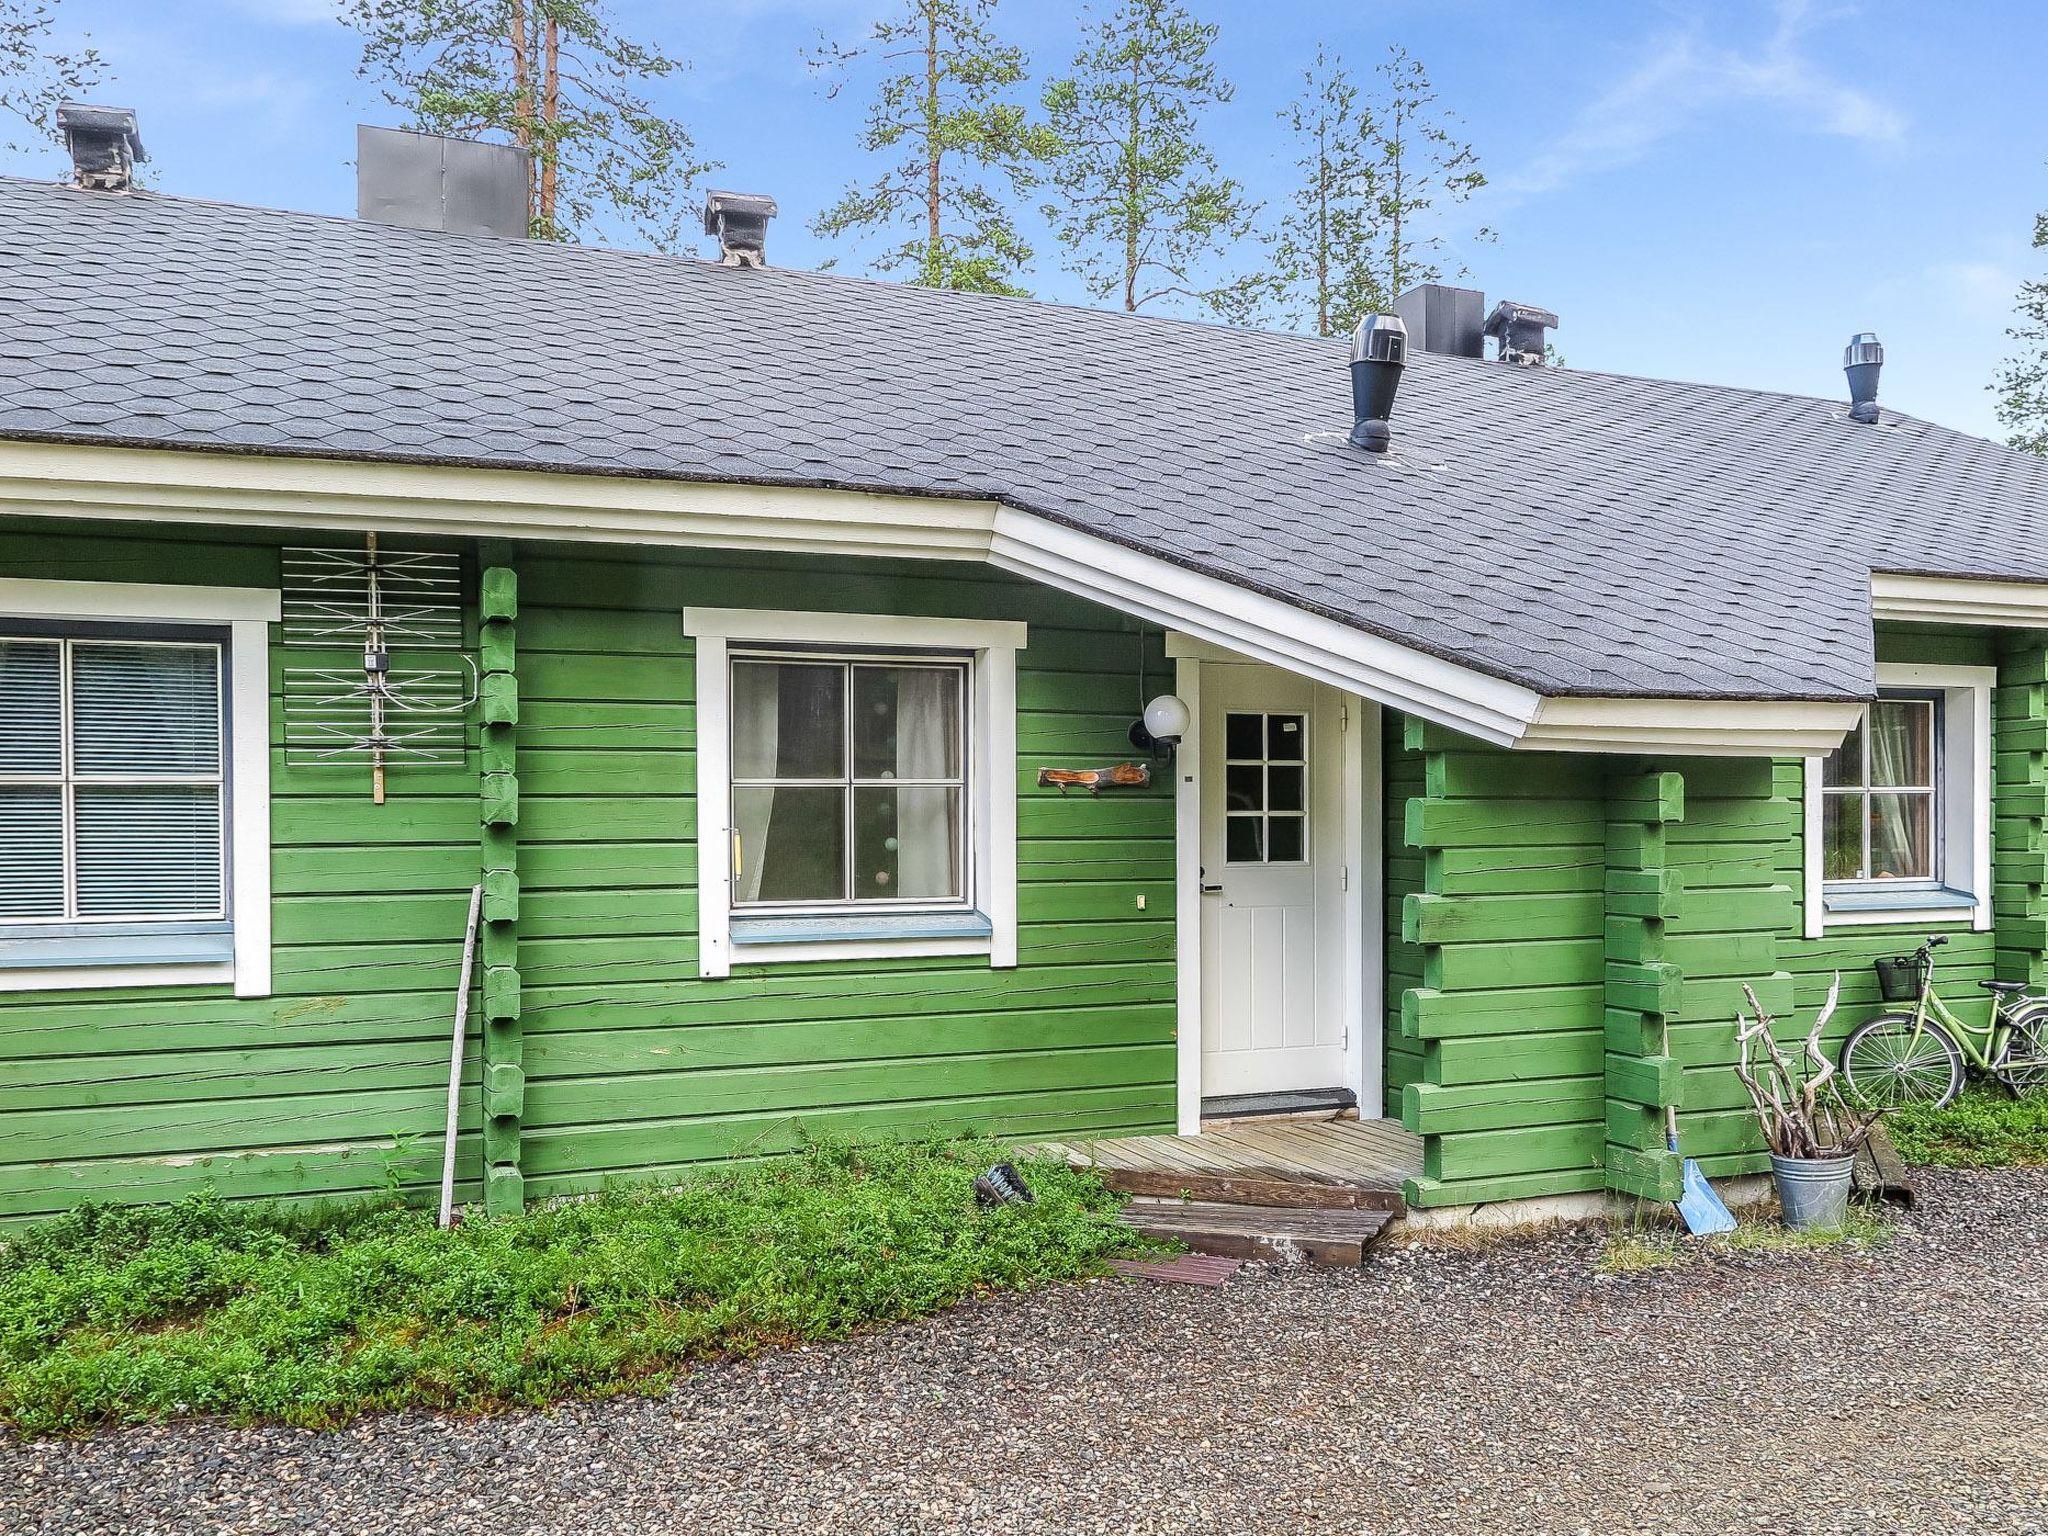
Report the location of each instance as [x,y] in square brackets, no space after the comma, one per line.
[721,624]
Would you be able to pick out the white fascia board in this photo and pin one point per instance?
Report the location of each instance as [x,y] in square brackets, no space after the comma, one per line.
[1959,600]
[134,602]
[1693,727]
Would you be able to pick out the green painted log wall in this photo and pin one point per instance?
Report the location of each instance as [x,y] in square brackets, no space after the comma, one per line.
[630,1065]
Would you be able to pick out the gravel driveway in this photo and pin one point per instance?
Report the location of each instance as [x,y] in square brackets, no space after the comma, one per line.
[1503,1388]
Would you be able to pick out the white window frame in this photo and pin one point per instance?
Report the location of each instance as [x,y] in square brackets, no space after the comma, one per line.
[991,780]
[247,614]
[1963,798]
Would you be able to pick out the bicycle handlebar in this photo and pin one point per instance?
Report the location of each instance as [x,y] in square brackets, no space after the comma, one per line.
[1935,941]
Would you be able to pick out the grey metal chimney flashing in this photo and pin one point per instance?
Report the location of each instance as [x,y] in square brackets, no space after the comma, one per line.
[1379,351]
[1521,331]
[740,220]
[1862,361]
[1443,319]
[104,143]
[429,181]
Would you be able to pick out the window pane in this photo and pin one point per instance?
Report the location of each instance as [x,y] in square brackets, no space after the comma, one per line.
[150,849]
[1285,843]
[1844,765]
[1841,831]
[1902,837]
[906,843]
[1244,787]
[791,844]
[1285,738]
[1285,788]
[788,720]
[906,722]
[142,709]
[31,707]
[1244,839]
[1244,736]
[1902,742]
[31,850]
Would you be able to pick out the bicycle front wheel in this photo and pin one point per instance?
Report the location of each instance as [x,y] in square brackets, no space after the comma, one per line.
[2024,1066]
[1891,1062]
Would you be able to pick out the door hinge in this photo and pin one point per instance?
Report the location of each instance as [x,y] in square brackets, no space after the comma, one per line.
[1344,877]
[1343,717]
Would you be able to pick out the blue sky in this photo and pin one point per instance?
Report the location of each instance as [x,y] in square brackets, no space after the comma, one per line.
[1711,191]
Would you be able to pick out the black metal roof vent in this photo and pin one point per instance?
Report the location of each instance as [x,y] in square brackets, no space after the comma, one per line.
[1521,331]
[1862,360]
[104,143]
[1379,351]
[740,220]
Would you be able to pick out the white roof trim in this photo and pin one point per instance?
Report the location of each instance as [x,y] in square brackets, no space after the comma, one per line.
[169,485]
[1958,600]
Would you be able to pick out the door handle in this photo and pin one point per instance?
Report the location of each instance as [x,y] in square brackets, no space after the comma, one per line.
[1212,890]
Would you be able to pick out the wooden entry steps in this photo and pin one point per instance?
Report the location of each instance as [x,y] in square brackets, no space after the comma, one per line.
[1280,1234]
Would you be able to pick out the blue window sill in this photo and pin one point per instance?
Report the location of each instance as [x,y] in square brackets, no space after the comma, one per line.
[79,945]
[879,926]
[1911,898]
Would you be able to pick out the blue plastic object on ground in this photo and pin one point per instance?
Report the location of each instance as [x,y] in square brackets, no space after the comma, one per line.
[1699,1207]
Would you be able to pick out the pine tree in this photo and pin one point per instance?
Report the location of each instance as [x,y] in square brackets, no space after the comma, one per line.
[960,143]
[35,74]
[2022,383]
[555,78]
[1417,164]
[1144,212]
[1324,245]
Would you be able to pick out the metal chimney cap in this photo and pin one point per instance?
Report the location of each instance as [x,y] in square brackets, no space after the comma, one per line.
[1380,339]
[104,142]
[1864,347]
[1862,361]
[740,220]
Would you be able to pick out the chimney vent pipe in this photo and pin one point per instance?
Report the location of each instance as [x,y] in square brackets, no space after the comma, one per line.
[1862,361]
[1521,330]
[740,220]
[1379,351]
[104,143]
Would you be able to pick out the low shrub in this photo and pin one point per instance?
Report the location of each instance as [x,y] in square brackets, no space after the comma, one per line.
[113,1314]
[1984,1128]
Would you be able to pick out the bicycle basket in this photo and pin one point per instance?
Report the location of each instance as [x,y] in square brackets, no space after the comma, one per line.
[1899,979]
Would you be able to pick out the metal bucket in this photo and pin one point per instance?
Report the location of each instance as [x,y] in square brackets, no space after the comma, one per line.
[1813,1191]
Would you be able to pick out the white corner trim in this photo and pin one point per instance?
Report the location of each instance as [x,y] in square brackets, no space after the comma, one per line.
[1187,902]
[248,613]
[1966,759]
[1696,727]
[1958,600]
[134,601]
[992,774]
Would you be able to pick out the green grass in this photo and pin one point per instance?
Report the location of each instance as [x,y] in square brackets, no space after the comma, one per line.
[1985,1128]
[120,1314]
[1635,1249]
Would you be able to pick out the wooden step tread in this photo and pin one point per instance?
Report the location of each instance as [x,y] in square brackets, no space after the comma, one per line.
[1284,1233]
[1274,1187]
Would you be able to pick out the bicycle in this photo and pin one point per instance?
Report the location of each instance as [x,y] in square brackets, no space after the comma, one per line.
[1919,1058]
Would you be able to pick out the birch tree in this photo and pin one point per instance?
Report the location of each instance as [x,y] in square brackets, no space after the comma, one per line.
[1419,165]
[1143,211]
[2022,383]
[37,73]
[958,146]
[555,78]
[1325,242]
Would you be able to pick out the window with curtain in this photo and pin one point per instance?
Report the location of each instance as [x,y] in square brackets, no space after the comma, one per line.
[1881,812]
[112,780]
[849,781]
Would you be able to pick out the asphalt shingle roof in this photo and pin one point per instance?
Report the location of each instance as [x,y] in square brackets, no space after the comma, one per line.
[1580,533]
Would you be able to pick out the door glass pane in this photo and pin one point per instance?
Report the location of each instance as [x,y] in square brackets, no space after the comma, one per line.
[1244,736]
[149,849]
[1841,830]
[1902,743]
[1844,765]
[1902,837]
[1245,787]
[1286,736]
[1285,843]
[788,720]
[31,850]
[1285,788]
[31,707]
[145,709]
[790,844]
[1244,839]
[906,843]
[906,722]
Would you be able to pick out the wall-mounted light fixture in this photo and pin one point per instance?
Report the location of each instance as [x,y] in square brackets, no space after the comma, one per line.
[1166,720]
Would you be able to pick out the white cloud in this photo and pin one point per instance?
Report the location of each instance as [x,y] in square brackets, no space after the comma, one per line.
[1686,76]
[290,13]
[1985,289]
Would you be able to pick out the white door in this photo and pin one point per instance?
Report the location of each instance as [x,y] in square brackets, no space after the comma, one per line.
[1272,882]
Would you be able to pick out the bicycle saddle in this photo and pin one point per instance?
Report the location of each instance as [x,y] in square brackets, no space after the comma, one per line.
[2003,987]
